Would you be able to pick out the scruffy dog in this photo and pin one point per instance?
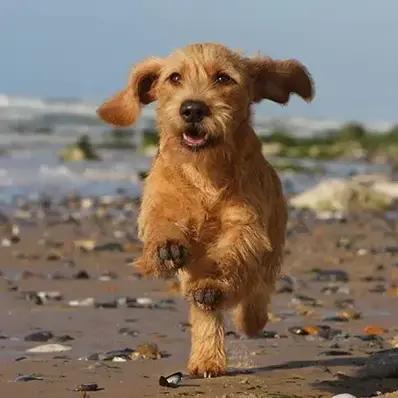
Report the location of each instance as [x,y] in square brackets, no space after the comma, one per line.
[213,210]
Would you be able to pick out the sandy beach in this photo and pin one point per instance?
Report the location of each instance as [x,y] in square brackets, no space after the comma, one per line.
[66,277]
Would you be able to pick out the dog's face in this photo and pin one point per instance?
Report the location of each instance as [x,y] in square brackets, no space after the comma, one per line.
[204,93]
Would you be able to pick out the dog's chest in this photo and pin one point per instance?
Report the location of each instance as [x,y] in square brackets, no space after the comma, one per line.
[206,190]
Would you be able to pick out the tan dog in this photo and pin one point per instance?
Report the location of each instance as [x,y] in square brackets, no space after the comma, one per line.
[213,210]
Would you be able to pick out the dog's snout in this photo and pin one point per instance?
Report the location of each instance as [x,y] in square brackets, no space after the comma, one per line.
[194,111]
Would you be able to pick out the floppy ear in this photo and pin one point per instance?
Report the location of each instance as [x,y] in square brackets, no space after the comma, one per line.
[124,108]
[276,80]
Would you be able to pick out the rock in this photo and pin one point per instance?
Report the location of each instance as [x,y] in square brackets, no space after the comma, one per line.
[331,276]
[81,150]
[106,304]
[49,348]
[125,353]
[381,364]
[87,387]
[342,195]
[64,338]
[39,336]
[82,274]
[345,395]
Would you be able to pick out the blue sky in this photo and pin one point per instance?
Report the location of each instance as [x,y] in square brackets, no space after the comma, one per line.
[84,48]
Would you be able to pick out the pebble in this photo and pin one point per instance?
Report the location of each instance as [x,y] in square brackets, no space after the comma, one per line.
[42,336]
[128,332]
[49,348]
[331,276]
[87,387]
[125,353]
[86,302]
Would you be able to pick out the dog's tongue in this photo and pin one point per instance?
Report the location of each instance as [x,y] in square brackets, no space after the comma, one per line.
[193,140]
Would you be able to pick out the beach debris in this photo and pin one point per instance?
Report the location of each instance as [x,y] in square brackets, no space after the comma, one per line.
[271,334]
[306,300]
[85,245]
[42,297]
[87,387]
[172,380]
[128,332]
[48,348]
[42,336]
[86,302]
[28,377]
[107,276]
[323,331]
[125,353]
[374,330]
[344,316]
[344,303]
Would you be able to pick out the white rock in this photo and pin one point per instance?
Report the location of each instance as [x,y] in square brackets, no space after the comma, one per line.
[49,348]
[342,195]
[345,395]
[87,302]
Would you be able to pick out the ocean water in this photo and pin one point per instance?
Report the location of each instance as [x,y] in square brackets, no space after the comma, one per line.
[33,131]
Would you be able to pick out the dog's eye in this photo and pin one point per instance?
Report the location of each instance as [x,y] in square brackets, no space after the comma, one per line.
[175,78]
[223,78]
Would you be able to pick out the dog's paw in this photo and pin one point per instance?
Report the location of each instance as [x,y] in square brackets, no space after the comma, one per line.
[162,260]
[172,252]
[208,369]
[207,296]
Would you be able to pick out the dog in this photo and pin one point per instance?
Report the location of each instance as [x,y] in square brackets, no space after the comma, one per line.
[213,210]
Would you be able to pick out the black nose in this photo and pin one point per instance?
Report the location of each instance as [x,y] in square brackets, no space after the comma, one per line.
[193,111]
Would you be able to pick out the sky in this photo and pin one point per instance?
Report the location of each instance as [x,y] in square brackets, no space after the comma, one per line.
[85,48]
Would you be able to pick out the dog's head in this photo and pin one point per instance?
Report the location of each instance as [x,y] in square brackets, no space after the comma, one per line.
[204,93]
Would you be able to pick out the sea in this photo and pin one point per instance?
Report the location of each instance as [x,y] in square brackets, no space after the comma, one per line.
[33,132]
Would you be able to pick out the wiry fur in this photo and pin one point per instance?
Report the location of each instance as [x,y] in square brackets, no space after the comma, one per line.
[219,209]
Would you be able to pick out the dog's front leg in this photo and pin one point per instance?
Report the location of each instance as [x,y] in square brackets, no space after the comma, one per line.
[163,228]
[208,358]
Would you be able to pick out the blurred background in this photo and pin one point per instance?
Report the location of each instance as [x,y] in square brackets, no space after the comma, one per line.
[60,59]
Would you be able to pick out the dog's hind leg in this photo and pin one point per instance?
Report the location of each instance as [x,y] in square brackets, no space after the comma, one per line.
[208,356]
[251,314]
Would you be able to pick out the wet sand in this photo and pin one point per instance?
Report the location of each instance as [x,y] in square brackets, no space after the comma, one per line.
[45,255]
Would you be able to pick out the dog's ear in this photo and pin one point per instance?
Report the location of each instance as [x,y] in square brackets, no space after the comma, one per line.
[276,80]
[124,108]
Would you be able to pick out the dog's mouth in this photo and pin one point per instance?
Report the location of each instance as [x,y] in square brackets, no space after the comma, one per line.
[194,138]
